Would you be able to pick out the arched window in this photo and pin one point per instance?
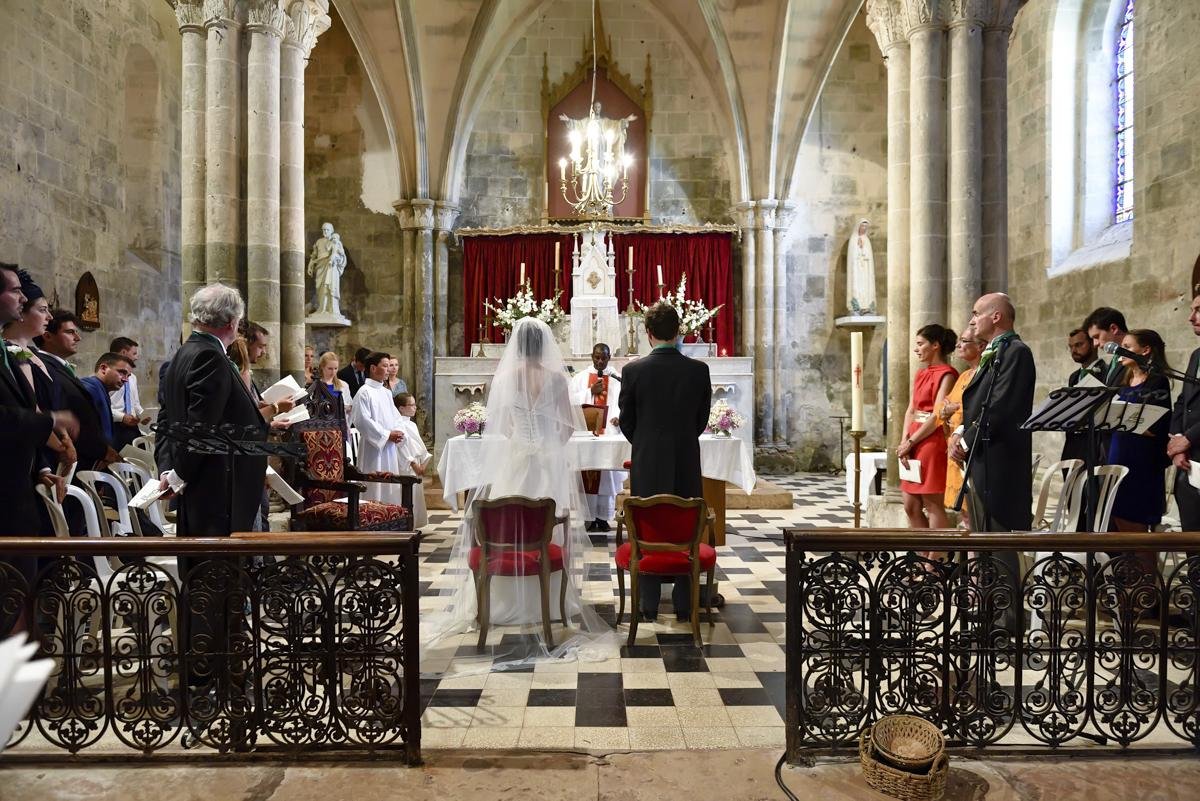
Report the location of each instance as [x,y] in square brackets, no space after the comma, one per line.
[1124,96]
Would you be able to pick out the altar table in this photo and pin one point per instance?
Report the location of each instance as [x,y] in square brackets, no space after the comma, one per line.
[722,460]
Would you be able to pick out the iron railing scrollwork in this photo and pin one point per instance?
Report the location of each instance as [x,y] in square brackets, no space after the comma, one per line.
[312,650]
[1084,641]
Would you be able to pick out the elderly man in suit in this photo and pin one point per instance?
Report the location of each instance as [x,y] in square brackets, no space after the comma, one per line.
[664,405]
[1184,445]
[23,432]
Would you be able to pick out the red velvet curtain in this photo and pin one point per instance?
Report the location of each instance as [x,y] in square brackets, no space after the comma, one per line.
[491,265]
[707,258]
[491,270]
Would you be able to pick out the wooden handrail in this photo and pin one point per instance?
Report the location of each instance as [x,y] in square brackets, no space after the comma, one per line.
[289,544]
[884,539]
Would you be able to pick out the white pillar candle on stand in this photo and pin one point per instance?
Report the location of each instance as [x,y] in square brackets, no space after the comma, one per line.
[660,275]
[557,245]
[521,280]
[856,386]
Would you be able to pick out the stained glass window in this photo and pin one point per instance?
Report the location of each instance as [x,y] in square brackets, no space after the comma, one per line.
[1124,84]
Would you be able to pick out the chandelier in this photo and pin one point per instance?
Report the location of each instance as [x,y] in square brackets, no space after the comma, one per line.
[598,166]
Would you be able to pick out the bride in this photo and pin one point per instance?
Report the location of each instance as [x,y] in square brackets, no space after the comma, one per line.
[525,453]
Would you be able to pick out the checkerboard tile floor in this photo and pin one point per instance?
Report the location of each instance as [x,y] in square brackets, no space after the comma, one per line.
[663,692]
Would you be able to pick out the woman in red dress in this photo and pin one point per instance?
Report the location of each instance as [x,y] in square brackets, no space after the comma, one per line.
[924,440]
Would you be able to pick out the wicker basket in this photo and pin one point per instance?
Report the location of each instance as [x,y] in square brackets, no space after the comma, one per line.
[907,741]
[928,785]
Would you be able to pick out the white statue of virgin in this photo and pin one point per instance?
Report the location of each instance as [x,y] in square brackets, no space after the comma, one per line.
[860,271]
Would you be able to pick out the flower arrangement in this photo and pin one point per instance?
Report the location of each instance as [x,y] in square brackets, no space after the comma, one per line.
[18,352]
[471,419]
[693,314]
[723,420]
[523,304]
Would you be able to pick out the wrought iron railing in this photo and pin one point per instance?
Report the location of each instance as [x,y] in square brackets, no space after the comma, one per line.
[293,643]
[1086,637]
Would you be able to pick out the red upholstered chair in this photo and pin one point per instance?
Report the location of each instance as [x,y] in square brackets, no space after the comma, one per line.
[325,477]
[513,538]
[664,540]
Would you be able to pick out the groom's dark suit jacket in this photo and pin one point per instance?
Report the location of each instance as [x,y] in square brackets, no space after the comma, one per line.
[1002,469]
[203,386]
[91,444]
[664,404]
[23,432]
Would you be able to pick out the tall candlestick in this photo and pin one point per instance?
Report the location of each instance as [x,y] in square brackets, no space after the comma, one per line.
[856,386]
[521,280]
[557,245]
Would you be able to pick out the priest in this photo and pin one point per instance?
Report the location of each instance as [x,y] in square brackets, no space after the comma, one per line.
[598,390]
[382,430]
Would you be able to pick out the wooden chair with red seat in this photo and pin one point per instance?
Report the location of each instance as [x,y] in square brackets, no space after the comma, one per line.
[325,477]
[513,538]
[664,540]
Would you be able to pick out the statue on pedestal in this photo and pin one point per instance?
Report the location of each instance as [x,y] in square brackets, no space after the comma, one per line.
[860,272]
[326,266]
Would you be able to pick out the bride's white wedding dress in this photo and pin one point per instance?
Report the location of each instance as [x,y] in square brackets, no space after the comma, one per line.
[525,453]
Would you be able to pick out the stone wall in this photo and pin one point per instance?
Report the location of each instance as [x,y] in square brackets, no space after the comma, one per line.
[841,178]
[344,169]
[1151,284]
[89,168]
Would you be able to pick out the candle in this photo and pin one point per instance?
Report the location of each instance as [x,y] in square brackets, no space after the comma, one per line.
[557,245]
[521,282]
[856,387]
[631,258]
[660,275]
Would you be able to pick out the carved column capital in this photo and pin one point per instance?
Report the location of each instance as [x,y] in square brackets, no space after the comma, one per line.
[190,15]
[422,210]
[886,20]
[1000,14]
[404,214]
[767,214]
[785,213]
[265,16]
[967,12]
[444,215]
[923,14]
[306,21]
[220,13]
[745,214]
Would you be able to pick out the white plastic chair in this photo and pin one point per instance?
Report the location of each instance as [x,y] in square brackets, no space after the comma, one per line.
[1069,470]
[1037,460]
[58,521]
[126,524]
[135,477]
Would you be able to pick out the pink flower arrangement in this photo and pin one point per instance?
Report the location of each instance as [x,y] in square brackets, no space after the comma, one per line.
[471,419]
[723,420]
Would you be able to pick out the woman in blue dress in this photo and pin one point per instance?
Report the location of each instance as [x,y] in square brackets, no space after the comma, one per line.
[1142,495]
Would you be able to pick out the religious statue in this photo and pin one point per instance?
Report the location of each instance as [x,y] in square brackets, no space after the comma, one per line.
[860,272]
[326,266]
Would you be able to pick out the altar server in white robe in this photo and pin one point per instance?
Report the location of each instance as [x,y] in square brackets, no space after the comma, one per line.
[381,429]
[413,454]
[600,386]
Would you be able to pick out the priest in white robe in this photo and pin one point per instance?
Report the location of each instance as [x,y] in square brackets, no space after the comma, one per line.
[413,455]
[381,431]
[600,386]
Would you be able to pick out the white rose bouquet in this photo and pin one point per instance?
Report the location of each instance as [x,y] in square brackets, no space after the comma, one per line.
[693,314]
[523,304]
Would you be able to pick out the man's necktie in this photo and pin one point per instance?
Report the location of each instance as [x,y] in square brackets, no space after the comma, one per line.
[70,367]
[128,406]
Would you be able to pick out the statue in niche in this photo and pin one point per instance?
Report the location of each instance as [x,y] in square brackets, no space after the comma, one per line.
[326,266]
[860,272]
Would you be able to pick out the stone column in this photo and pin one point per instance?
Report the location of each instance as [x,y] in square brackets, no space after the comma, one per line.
[191,146]
[410,304]
[764,322]
[994,179]
[444,215]
[222,141]
[422,330]
[886,23]
[745,214]
[927,188]
[265,28]
[966,224]
[781,430]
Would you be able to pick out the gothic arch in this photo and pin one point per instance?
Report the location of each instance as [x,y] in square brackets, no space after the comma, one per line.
[141,154]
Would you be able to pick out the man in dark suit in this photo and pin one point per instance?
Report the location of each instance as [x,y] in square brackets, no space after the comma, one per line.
[664,405]
[355,373]
[995,404]
[23,433]
[1083,353]
[58,345]
[111,373]
[1184,445]
[203,387]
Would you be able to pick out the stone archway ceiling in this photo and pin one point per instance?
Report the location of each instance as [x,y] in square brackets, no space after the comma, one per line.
[430,62]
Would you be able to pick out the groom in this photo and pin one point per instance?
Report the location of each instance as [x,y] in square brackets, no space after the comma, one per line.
[664,410]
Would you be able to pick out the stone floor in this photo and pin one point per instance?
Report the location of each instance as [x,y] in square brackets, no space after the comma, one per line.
[731,775]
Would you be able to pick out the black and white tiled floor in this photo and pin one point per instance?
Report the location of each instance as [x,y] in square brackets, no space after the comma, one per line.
[663,692]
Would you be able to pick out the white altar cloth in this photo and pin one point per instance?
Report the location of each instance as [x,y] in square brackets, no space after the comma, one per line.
[869,464]
[722,458]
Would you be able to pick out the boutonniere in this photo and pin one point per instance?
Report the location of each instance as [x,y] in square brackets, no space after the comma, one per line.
[19,352]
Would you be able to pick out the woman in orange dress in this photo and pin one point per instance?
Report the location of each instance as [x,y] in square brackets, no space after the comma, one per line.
[950,413]
[924,440]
